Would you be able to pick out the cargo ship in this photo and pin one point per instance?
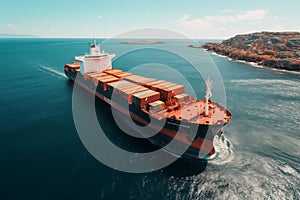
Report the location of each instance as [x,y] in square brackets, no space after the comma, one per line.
[160,101]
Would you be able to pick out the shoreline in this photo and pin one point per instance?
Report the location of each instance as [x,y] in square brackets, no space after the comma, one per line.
[253,64]
[274,50]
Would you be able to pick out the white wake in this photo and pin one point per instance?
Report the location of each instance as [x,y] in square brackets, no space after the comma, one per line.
[51,71]
[224,150]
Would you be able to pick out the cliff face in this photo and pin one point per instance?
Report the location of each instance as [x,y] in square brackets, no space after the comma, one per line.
[271,49]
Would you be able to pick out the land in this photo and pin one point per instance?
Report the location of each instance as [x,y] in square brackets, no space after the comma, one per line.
[279,50]
[142,42]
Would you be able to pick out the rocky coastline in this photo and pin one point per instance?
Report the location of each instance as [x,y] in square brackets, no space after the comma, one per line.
[280,50]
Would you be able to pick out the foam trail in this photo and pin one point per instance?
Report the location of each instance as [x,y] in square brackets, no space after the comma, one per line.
[51,71]
[271,82]
[224,150]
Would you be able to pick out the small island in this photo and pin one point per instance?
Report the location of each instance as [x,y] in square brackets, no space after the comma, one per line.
[280,50]
[142,42]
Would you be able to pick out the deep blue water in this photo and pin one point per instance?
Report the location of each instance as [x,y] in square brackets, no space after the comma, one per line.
[42,157]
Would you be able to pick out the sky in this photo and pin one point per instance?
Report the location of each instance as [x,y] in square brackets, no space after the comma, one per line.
[217,19]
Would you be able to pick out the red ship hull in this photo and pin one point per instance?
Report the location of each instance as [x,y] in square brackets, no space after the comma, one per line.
[198,147]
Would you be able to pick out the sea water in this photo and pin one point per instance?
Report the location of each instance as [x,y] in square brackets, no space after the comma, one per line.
[42,156]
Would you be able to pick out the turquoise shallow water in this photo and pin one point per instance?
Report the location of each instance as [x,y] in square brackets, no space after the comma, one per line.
[42,156]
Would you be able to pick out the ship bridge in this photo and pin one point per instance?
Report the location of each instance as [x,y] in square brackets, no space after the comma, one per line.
[95,61]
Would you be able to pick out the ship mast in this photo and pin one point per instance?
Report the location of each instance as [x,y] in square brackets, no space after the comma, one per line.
[208,94]
[95,41]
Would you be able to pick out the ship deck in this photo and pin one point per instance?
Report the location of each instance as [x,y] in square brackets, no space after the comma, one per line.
[189,110]
[194,112]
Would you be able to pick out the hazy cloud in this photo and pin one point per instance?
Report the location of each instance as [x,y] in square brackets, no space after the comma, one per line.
[99,17]
[226,11]
[207,21]
[222,25]
[11,25]
[184,18]
[251,15]
[277,27]
[186,22]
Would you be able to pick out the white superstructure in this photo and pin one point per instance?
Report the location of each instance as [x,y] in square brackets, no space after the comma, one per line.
[95,61]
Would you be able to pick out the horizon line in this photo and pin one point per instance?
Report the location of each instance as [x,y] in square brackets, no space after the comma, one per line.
[139,38]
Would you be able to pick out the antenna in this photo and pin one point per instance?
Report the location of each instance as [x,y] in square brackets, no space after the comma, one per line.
[208,94]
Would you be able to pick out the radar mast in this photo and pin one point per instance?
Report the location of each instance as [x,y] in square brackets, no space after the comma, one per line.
[208,94]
